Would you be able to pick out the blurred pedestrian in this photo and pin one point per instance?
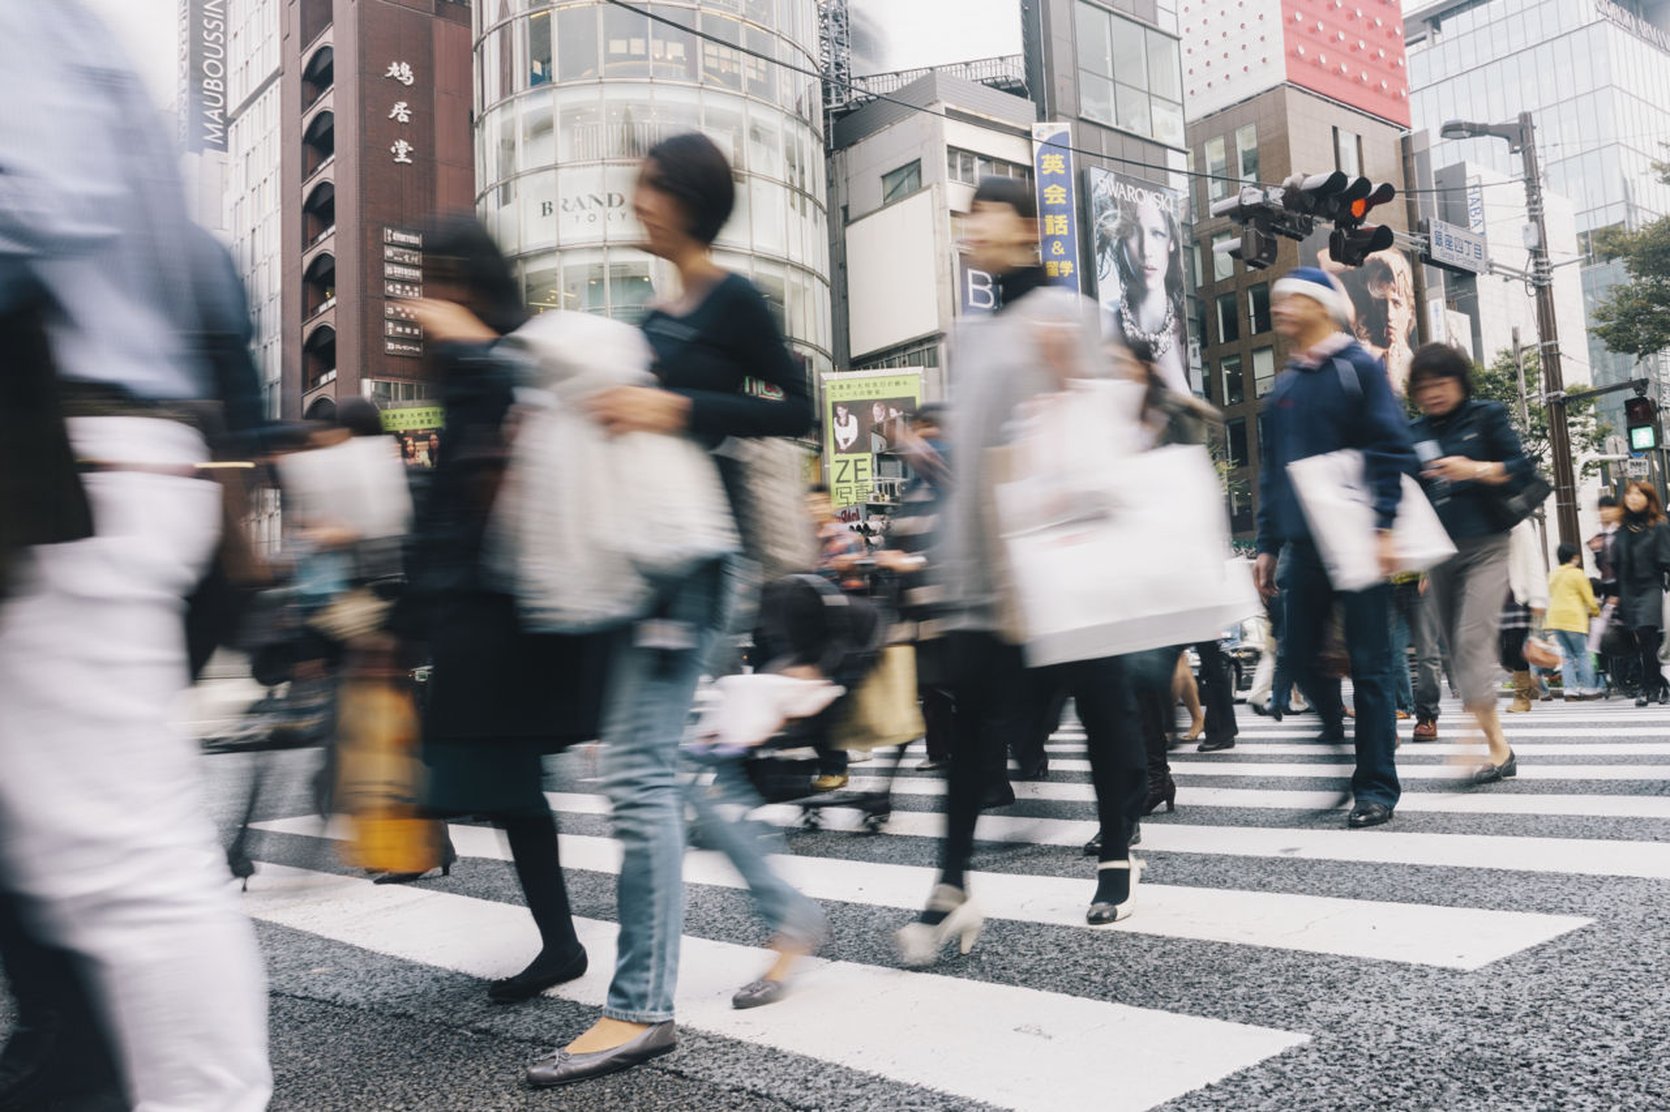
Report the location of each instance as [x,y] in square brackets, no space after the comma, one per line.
[1642,555]
[1039,338]
[104,837]
[1471,457]
[1571,606]
[709,341]
[1333,395]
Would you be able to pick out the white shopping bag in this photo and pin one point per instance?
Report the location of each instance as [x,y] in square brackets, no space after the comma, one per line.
[1340,511]
[1142,563]
[359,485]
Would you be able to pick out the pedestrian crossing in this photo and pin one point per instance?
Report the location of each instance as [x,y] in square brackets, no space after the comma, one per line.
[1254,876]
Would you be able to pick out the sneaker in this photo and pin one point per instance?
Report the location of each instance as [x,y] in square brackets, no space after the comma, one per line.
[1404,716]
[1426,730]
[829,782]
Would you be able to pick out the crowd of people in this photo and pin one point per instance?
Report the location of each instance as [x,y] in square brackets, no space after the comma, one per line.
[112,548]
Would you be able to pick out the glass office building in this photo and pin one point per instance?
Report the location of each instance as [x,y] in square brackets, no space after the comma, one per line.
[569,97]
[1595,75]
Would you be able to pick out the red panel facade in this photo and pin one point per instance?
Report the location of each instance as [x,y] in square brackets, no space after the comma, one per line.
[1350,51]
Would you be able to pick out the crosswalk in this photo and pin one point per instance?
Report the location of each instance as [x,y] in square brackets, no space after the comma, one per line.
[1257,911]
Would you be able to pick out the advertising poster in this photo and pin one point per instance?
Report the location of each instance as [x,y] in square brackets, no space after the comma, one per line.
[1140,281]
[1382,293]
[417,429]
[861,418]
[1058,222]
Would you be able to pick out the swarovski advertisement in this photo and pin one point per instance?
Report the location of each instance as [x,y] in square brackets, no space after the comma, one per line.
[1382,293]
[203,75]
[1140,281]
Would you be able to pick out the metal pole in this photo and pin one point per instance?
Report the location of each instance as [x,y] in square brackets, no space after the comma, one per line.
[1542,278]
[1525,426]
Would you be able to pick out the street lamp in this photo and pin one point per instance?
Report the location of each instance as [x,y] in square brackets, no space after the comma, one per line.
[1521,135]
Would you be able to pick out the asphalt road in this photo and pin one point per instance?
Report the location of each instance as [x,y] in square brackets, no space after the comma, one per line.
[1499,948]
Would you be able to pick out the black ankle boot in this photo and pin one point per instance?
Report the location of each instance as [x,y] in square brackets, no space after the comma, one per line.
[547,970]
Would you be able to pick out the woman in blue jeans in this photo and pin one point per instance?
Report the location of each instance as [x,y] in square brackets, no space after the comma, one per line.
[709,341]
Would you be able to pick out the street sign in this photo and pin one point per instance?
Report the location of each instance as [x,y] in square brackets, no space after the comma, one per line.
[1635,468]
[1455,248]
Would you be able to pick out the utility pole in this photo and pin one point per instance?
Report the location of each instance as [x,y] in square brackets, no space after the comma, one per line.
[1548,330]
[1525,426]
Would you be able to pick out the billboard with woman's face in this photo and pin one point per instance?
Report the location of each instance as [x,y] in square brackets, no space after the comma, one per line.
[1139,268]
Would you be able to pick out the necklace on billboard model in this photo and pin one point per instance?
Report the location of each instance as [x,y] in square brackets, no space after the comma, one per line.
[1160,340]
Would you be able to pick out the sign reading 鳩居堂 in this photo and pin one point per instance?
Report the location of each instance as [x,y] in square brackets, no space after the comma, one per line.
[203,75]
[1058,225]
[862,412]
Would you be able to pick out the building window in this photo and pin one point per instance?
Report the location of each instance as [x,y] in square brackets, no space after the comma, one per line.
[1235,386]
[1246,153]
[1217,165]
[1229,321]
[1258,308]
[1264,371]
[1348,151]
[902,182]
[1223,266]
[968,167]
[1194,259]
[539,49]
[1130,76]
[1235,442]
[576,44]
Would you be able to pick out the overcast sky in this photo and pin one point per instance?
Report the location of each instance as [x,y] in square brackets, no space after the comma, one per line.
[148,29]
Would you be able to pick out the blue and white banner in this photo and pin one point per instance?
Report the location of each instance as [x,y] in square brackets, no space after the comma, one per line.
[1058,221]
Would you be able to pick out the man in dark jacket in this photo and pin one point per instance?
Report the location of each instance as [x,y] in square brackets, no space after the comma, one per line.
[1333,395]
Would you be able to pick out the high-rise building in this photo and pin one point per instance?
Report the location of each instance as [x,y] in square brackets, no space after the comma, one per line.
[375,141]
[1595,75]
[569,98]
[1274,88]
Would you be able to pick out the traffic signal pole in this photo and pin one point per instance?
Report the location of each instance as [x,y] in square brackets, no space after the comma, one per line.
[1548,331]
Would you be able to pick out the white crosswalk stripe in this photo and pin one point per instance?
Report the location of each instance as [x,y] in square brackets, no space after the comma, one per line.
[963,1036]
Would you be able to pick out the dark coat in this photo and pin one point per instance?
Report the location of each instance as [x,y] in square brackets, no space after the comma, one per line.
[499,697]
[1478,430]
[1643,561]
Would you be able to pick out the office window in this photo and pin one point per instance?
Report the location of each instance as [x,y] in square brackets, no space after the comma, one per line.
[968,167]
[1258,308]
[1208,387]
[1229,321]
[1194,259]
[1235,386]
[1264,371]
[1348,151]
[1223,267]
[902,182]
[1235,438]
[576,44]
[539,49]
[1217,165]
[1130,76]
[1246,154]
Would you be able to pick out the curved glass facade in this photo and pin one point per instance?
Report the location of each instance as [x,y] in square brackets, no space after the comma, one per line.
[570,94]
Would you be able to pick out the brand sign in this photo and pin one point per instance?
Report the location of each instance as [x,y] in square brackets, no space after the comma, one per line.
[392,254]
[405,348]
[1456,248]
[203,75]
[1633,23]
[976,289]
[863,413]
[1058,225]
[404,273]
[401,237]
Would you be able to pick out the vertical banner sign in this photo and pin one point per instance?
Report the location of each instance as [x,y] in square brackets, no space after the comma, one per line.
[402,282]
[861,418]
[1058,223]
[203,75]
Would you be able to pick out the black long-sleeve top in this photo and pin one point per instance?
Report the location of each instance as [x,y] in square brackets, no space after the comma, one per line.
[1477,430]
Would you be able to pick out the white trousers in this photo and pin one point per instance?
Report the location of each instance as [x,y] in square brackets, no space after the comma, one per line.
[103,833]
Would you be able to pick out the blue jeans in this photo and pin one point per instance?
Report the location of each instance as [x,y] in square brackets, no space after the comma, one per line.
[1310,600]
[658,662]
[747,844]
[1402,686]
[1577,665]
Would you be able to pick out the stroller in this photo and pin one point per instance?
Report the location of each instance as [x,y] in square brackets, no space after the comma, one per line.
[808,626]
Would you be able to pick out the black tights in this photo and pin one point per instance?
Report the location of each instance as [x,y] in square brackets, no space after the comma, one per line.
[533,848]
[1647,640]
[989,688]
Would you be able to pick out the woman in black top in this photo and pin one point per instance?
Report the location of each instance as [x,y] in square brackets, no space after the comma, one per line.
[500,698]
[1469,455]
[724,371]
[1642,559]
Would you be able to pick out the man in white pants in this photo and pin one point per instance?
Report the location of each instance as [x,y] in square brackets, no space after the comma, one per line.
[103,837]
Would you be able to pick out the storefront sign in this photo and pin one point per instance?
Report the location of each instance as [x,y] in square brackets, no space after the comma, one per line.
[401,237]
[402,289]
[976,289]
[203,75]
[1058,225]
[408,349]
[862,418]
[402,272]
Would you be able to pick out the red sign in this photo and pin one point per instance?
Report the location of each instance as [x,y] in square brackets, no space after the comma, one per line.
[1351,52]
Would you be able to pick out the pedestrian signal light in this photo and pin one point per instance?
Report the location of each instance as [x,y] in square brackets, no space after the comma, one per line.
[1641,418]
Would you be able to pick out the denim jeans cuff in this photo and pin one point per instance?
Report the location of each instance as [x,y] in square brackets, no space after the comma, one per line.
[636,1017]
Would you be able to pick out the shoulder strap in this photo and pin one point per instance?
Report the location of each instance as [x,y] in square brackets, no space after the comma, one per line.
[1349,379]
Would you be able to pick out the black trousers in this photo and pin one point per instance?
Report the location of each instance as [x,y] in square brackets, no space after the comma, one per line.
[991,686]
[1217,692]
[1647,641]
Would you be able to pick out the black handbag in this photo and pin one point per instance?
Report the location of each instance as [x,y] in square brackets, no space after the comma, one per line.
[1515,504]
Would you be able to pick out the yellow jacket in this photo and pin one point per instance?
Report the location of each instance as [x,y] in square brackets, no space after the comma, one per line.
[1571,600]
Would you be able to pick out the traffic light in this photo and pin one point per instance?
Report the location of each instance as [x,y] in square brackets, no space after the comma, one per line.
[1253,210]
[1317,195]
[1353,240]
[1641,418]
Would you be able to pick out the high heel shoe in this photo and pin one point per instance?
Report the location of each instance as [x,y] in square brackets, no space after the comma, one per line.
[1111,904]
[920,943]
[447,858]
[1165,792]
[541,974]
